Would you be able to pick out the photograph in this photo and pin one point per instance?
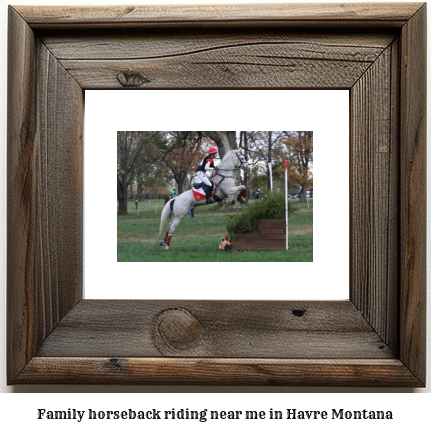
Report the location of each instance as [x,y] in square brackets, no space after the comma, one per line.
[215,196]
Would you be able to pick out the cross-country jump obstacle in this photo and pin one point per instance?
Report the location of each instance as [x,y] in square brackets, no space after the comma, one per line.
[223,185]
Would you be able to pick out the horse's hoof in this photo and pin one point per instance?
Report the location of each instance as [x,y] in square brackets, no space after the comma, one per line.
[162,243]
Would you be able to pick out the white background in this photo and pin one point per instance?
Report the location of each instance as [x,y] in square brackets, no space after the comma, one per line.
[326,113]
[19,410]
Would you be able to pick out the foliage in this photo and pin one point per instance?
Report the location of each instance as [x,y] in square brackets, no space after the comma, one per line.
[151,160]
[271,207]
[299,150]
[156,159]
[129,149]
[241,223]
[181,156]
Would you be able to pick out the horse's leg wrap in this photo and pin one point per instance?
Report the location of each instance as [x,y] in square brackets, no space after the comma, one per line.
[167,239]
[241,195]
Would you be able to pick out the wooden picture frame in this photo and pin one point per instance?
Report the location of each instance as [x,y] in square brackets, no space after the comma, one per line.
[376,338]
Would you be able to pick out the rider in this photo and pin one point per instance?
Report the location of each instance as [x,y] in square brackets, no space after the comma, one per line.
[207,163]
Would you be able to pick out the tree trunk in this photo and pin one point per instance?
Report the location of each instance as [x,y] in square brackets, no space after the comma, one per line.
[246,158]
[303,195]
[122,204]
[269,161]
[122,198]
[180,183]
[225,141]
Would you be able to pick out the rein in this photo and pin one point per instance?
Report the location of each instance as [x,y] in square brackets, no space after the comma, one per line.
[223,169]
[222,176]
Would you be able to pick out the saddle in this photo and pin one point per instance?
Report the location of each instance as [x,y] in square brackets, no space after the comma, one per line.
[200,190]
[203,186]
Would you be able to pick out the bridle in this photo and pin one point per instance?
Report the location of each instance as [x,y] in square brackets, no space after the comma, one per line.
[240,161]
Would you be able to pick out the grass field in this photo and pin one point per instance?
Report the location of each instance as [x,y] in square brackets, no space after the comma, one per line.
[197,239]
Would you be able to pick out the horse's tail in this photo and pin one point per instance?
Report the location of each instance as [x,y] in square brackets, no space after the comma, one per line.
[165,213]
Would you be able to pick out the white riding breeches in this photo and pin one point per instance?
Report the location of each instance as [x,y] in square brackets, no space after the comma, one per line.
[203,177]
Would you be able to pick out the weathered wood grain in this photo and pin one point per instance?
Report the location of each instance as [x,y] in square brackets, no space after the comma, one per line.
[301,15]
[204,60]
[56,53]
[236,329]
[21,199]
[197,371]
[373,212]
[59,184]
[202,72]
[141,44]
[45,105]
[413,216]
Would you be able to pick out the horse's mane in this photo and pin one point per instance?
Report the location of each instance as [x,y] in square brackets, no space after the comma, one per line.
[227,155]
[229,152]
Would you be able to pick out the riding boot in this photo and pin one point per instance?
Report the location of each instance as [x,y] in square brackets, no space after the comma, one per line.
[208,190]
[209,199]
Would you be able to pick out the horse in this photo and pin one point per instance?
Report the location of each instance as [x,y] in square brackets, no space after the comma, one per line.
[223,186]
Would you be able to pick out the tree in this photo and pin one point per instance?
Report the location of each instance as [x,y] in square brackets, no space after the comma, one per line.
[129,148]
[263,148]
[142,158]
[225,141]
[243,143]
[299,147]
[148,172]
[186,150]
[155,158]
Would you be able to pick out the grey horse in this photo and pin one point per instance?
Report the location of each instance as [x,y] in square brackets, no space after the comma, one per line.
[224,184]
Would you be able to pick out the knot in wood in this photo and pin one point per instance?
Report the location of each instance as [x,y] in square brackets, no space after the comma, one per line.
[115,363]
[298,312]
[131,79]
[178,329]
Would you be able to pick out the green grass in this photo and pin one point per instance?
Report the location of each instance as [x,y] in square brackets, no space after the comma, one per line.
[197,239]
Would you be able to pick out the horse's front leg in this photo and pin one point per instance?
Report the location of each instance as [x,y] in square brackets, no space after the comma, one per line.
[242,192]
[236,189]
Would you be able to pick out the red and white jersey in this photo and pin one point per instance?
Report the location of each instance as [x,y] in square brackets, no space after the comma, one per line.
[206,164]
